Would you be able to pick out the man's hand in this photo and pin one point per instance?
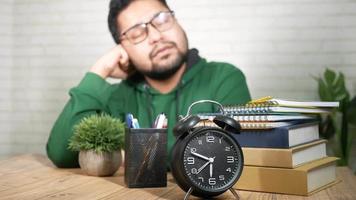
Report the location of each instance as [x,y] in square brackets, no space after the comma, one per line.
[114,64]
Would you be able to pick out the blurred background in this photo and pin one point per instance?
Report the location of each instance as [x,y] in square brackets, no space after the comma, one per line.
[47,46]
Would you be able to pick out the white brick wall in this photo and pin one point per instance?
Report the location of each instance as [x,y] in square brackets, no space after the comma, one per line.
[279,44]
[55,42]
[6,64]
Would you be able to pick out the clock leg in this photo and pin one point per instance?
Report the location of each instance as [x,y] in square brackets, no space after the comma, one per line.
[234,193]
[188,193]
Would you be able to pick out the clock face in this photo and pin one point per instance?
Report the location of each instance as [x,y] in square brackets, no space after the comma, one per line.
[212,160]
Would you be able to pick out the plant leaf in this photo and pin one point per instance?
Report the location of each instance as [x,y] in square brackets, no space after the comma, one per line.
[339,88]
[329,76]
[324,93]
[101,133]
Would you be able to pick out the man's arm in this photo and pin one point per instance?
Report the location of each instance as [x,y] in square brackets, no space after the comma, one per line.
[90,97]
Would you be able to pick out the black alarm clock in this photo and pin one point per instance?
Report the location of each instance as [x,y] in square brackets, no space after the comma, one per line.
[206,160]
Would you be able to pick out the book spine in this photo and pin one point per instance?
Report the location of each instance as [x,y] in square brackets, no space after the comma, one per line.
[268,157]
[302,180]
[264,179]
[273,138]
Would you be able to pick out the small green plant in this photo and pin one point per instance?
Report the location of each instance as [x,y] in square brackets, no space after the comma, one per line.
[101,133]
[340,126]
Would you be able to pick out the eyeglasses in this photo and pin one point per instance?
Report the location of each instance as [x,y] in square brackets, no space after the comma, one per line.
[161,21]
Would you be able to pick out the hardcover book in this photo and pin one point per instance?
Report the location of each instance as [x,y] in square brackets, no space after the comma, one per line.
[285,158]
[280,137]
[303,180]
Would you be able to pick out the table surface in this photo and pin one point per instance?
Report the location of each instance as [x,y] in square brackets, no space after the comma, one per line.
[34,177]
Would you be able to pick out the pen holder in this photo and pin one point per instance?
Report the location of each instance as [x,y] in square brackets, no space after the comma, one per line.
[145,157]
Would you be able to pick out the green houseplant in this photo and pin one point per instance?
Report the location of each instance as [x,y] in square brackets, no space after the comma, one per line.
[99,140]
[339,127]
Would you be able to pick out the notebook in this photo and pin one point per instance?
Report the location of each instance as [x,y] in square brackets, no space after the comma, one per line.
[268,108]
[289,103]
[250,125]
[261,118]
[269,105]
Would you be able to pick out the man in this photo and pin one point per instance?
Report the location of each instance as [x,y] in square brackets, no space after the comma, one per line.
[159,73]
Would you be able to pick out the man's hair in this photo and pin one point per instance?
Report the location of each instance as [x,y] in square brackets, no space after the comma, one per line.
[116,6]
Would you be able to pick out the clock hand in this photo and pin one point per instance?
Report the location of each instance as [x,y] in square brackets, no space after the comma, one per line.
[211,160]
[202,167]
[200,156]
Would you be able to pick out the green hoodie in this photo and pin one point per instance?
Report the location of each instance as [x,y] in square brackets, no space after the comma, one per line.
[221,82]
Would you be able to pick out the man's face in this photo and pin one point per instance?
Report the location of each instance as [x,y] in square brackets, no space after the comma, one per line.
[162,53]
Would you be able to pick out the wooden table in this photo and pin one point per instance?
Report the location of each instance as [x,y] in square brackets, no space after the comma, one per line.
[34,177]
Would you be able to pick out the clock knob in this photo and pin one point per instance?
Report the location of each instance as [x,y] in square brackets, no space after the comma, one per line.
[185,125]
[227,123]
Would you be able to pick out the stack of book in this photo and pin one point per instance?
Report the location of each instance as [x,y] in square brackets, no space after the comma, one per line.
[282,149]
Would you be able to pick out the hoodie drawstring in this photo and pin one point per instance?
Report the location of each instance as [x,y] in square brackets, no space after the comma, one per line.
[150,103]
[150,106]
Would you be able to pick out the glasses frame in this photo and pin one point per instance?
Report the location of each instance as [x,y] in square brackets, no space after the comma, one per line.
[145,25]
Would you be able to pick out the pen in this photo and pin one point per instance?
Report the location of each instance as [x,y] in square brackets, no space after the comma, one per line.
[135,123]
[160,121]
[165,123]
[261,100]
[154,125]
[131,121]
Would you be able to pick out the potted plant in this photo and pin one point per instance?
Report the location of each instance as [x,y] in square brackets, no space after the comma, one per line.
[99,140]
[340,126]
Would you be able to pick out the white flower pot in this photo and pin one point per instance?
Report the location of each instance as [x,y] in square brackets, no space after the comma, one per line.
[100,164]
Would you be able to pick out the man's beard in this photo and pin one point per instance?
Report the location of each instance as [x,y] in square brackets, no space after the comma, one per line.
[164,71]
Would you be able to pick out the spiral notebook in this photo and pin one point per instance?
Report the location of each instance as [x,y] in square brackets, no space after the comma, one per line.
[261,118]
[269,105]
[291,103]
[267,108]
[250,125]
